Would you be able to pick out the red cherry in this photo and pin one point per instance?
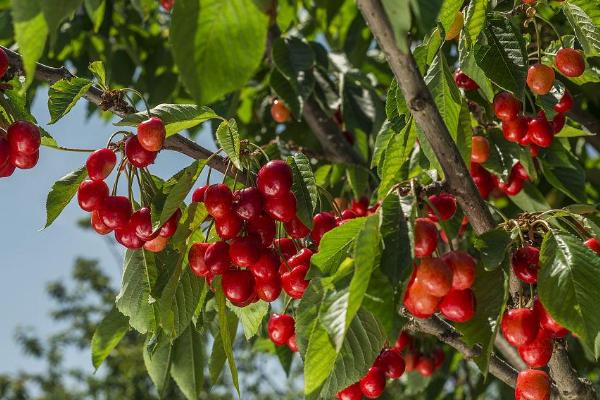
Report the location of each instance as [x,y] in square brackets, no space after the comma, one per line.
[127,237]
[274,179]
[352,392]
[292,344]
[322,223]
[593,244]
[518,170]
[570,62]
[100,164]
[3,63]
[263,227]
[267,265]
[268,289]
[424,366]
[285,247]
[137,155]
[217,258]
[156,245]
[530,2]
[24,161]
[98,225]
[403,341]
[515,129]
[296,229]
[426,237]
[463,269]
[141,223]
[170,226]
[458,305]
[410,361]
[238,285]
[167,4]
[115,211]
[482,179]
[218,200]
[506,106]
[438,357]
[464,82]
[540,132]
[534,150]
[244,251]
[247,203]
[198,195]
[435,276]
[392,363]
[372,384]
[444,203]
[480,149]
[565,103]
[196,259]
[4,150]
[360,206]
[23,137]
[419,302]
[228,226]
[537,353]
[513,186]
[532,384]
[280,328]
[540,79]
[281,208]
[151,134]
[302,257]
[548,323]
[279,111]
[520,326]
[558,122]
[525,263]
[294,282]
[91,194]
[252,299]
[349,214]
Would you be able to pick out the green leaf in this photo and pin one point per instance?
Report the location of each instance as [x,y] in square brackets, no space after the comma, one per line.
[586,31]
[397,235]
[563,171]
[55,11]
[292,56]
[95,10]
[157,358]
[358,179]
[569,284]
[250,316]
[304,187]
[187,362]
[503,154]
[62,192]
[134,300]
[335,245]
[286,92]
[474,20]
[63,95]
[448,12]
[530,199]
[396,156]
[218,356]
[217,45]
[107,335]
[362,109]
[229,139]
[445,93]
[388,130]
[492,247]
[97,69]
[176,117]
[224,327]
[31,32]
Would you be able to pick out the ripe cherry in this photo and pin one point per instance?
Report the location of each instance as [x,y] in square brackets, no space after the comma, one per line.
[565,103]
[127,237]
[444,203]
[247,203]
[151,134]
[98,225]
[482,179]
[115,211]
[244,251]
[457,25]
[279,111]
[285,247]
[570,62]
[167,4]
[463,269]
[238,285]
[372,384]
[137,155]
[515,129]
[548,323]
[141,223]
[463,81]
[526,264]
[519,171]
[292,344]
[218,199]
[506,106]
[512,187]
[4,151]
[424,366]
[280,328]
[196,259]
[426,237]
[352,392]
[323,222]
[419,302]
[302,257]
[3,63]
[537,353]
[281,208]
[268,289]
[91,194]
[228,226]
[360,206]
[438,357]
[217,258]
[170,226]
[266,266]
[458,305]
[24,161]
[348,214]
[558,122]
[198,194]
[294,282]
[23,137]
[274,179]
[435,276]
[532,384]
[540,132]
[480,149]
[296,229]
[100,164]
[156,245]
[403,341]
[392,363]
[540,79]
[520,326]
[264,227]
[593,244]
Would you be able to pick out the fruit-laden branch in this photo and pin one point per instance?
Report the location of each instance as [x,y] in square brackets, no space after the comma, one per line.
[97,96]
[571,387]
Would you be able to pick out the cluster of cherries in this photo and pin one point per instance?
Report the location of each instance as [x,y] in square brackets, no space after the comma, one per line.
[440,283]
[110,212]
[19,147]
[282,331]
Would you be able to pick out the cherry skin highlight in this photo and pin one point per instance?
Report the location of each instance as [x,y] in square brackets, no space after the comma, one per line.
[274,179]
[100,164]
[91,194]
[23,138]
[170,226]
[196,259]
[142,224]
[98,225]
[426,237]
[156,245]
[247,203]
[548,323]
[244,251]
[352,392]
[115,211]
[570,62]
[238,285]
[435,276]
[506,106]
[540,79]
[268,289]
[24,161]
[228,226]
[294,282]
[198,194]
[137,155]
[520,326]
[280,328]
[445,205]
[266,266]
[419,302]
[264,227]
[281,208]
[296,229]
[480,149]
[565,103]
[218,199]
[151,134]
[372,384]
[458,305]
[463,269]
[532,384]
[279,111]
[392,363]
[217,258]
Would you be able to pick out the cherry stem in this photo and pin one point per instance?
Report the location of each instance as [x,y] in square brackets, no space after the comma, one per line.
[538,40]
[119,171]
[61,148]
[287,304]
[124,133]
[260,149]
[143,198]
[210,225]
[327,195]
[134,91]
[130,185]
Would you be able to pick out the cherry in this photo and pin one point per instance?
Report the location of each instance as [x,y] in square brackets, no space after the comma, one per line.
[198,194]
[540,79]
[24,161]
[445,205]
[435,276]
[565,103]
[480,149]
[526,263]
[392,363]
[196,259]
[302,257]
[482,179]
[3,63]
[127,237]
[425,237]
[292,344]
[548,323]
[151,134]
[266,266]
[91,194]
[570,62]
[410,360]
[530,2]
[100,164]
[279,111]
[424,366]
[274,179]
[372,384]
[268,289]
[263,227]
[137,155]
[513,186]
[23,137]
[244,251]
[403,341]
[286,247]
[167,4]
[352,392]
[540,132]
[218,200]
[281,208]
[506,106]
[228,226]
[360,206]
[217,258]
[115,211]
[296,229]
[98,225]
[419,302]
[238,285]
[457,25]
[247,203]
[252,299]
[463,269]
[438,357]
[323,222]
[280,328]
[458,305]
[537,353]
[156,245]
[294,282]
[593,244]
[348,214]
[463,81]
[4,151]
[515,129]
[532,384]
[558,122]
[170,226]
[520,326]
[141,223]
[518,170]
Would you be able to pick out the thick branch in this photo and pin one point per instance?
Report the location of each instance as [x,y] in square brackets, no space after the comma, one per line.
[571,387]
